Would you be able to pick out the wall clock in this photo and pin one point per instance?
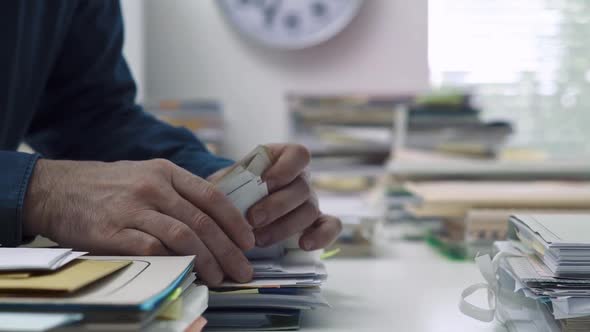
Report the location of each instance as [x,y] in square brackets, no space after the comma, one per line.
[290,24]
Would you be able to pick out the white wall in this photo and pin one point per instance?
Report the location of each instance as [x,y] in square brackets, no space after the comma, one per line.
[133,48]
[192,52]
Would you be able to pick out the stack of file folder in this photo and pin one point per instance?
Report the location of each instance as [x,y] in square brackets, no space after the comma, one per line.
[274,299]
[544,273]
[63,290]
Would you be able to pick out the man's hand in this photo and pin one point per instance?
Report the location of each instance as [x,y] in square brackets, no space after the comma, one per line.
[292,206]
[139,208]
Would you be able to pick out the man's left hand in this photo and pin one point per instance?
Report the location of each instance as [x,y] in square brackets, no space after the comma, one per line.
[292,205]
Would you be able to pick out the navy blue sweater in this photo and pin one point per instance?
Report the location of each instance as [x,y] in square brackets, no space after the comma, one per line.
[66,90]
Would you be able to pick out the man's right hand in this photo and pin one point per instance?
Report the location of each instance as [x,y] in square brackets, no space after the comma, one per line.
[139,208]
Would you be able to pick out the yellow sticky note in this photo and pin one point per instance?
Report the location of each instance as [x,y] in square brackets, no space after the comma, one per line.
[79,273]
[330,253]
[173,309]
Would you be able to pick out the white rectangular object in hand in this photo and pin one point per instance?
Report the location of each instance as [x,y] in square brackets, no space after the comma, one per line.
[244,186]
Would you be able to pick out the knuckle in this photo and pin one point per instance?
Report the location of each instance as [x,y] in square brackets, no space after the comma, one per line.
[162,164]
[202,224]
[229,252]
[274,206]
[207,262]
[151,247]
[145,186]
[302,152]
[211,194]
[305,188]
[313,208]
[180,233]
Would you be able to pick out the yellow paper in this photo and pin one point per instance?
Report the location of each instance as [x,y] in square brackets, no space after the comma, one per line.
[173,309]
[72,277]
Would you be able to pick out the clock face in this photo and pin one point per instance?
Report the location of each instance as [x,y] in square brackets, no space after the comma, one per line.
[291,24]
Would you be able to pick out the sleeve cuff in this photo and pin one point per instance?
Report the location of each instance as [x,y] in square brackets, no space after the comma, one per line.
[200,163]
[205,164]
[16,169]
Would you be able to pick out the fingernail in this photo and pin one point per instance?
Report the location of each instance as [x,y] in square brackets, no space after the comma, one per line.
[259,217]
[307,244]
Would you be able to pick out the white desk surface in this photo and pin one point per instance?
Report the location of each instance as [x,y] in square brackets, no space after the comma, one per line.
[413,289]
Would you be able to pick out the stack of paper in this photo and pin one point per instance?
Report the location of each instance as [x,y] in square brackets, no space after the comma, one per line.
[273,300]
[562,242]
[543,276]
[482,227]
[286,279]
[464,209]
[439,173]
[469,169]
[360,127]
[95,293]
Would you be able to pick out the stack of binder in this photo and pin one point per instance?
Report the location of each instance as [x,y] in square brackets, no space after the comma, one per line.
[274,299]
[97,293]
[543,273]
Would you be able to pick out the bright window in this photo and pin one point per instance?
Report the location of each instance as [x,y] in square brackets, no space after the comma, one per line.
[529,60]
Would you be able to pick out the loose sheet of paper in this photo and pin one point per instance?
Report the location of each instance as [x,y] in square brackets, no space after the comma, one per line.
[14,259]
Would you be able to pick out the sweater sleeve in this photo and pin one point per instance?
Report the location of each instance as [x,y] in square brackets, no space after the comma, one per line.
[15,171]
[88,111]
